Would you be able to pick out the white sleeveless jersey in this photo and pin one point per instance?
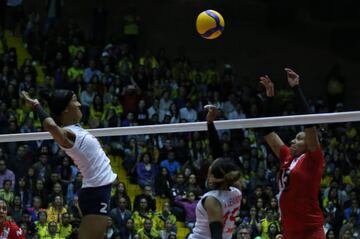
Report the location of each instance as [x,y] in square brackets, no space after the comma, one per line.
[230,203]
[90,158]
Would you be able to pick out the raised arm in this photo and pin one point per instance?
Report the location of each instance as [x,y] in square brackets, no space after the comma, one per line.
[271,138]
[63,137]
[213,136]
[311,137]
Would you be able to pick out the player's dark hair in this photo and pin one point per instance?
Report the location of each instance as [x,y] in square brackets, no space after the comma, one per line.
[226,169]
[57,101]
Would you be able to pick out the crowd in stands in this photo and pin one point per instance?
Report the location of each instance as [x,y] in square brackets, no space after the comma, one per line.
[118,88]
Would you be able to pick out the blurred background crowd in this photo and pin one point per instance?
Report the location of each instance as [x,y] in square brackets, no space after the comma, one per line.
[120,84]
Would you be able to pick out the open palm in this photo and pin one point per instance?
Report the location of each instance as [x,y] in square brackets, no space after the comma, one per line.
[293,77]
[268,84]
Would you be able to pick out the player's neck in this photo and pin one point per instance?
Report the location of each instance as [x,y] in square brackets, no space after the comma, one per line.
[224,187]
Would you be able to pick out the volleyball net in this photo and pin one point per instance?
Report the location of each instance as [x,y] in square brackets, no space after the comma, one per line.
[188,144]
[293,120]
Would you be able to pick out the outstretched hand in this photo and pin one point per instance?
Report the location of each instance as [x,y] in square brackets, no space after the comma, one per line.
[268,84]
[212,113]
[25,95]
[293,77]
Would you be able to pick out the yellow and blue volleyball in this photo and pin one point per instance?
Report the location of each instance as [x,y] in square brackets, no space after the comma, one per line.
[210,24]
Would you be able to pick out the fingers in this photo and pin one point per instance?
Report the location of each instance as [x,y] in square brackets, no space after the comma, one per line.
[210,107]
[24,94]
[287,69]
[291,72]
[265,81]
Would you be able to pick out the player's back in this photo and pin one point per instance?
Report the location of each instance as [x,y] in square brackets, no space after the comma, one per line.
[230,202]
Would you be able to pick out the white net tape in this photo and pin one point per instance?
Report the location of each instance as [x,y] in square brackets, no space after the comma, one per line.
[201,126]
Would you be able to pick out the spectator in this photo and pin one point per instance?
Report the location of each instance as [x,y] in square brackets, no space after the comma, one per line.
[65,228]
[193,186]
[41,225]
[273,230]
[120,192]
[146,170]
[254,222]
[120,215]
[74,188]
[6,192]
[76,211]
[165,216]
[52,230]
[41,192]
[36,209]
[167,231]
[154,108]
[16,210]
[91,71]
[353,210]
[189,203]
[172,165]
[237,113]
[56,210]
[129,229]
[6,174]
[188,113]
[149,232]
[86,99]
[243,232]
[96,112]
[111,231]
[163,183]
[42,168]
[330,234]
[179,187]
[141,213]
[148,195]
[67,172]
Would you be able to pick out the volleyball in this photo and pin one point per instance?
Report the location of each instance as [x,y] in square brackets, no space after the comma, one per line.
[210,24]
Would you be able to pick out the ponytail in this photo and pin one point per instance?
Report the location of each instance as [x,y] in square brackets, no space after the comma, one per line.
[225,171]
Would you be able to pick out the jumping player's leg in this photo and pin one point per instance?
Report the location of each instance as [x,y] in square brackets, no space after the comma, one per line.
[94,204]
[93,227]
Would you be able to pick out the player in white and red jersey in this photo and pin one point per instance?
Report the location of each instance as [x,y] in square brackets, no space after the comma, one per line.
[301,169]
[8,229]
[218,208]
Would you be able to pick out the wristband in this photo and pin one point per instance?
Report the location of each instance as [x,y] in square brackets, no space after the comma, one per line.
[267,111]
[302,104]
[41,112]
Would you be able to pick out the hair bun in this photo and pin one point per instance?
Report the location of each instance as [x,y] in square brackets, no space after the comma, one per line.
[232,176]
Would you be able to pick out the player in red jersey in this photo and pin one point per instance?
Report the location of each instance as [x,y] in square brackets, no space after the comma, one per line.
[8,229]
[301,169]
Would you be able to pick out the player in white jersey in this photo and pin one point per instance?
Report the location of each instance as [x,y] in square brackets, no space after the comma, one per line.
[88,155]
[218,208]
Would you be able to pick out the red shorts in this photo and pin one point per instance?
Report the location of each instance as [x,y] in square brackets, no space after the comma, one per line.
[316,233]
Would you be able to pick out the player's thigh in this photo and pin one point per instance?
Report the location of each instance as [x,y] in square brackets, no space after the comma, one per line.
[93,227]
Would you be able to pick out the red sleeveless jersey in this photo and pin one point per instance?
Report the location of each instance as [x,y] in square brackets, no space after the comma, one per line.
[299,185]
[10,230]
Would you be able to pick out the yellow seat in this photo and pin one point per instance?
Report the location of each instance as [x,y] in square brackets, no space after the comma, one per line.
[180,224]
[182,232]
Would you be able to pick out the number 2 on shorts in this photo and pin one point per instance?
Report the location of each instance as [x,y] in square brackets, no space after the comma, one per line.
[103,207]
